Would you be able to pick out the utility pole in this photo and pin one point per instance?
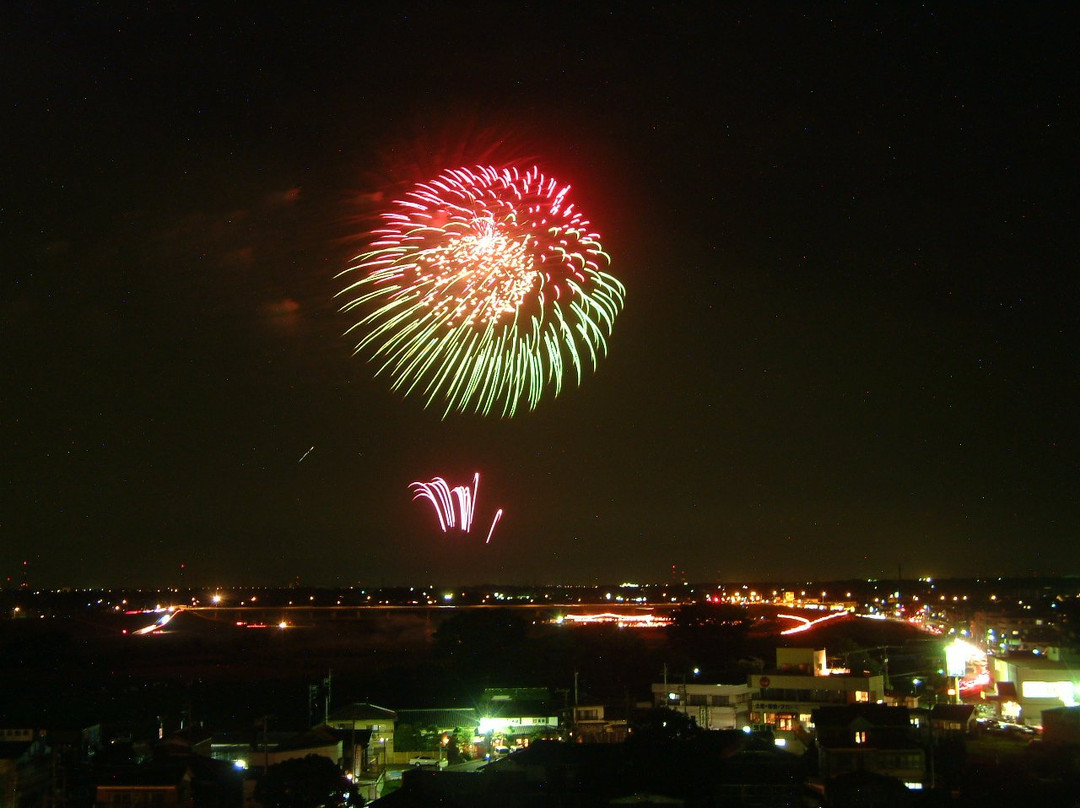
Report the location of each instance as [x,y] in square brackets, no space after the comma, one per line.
[326,703]
[266,746]
[352,744]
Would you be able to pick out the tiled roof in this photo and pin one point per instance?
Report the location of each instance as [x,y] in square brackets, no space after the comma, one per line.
[361,711]
[952,712]
[312,739]
[513,709]
[444,719]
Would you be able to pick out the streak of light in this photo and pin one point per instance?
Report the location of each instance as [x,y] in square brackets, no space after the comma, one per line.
[495,521]
[158,624]
[623,620]
[806,624]
[454,507]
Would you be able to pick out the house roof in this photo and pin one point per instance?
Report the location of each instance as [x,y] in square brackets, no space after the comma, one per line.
[164,775]
[644,798]
[444,719]
[874,742]
[556,753]
[312,739]
[516,708]
[876,715]
[952,712]
[362,711]
[519,693]
[1029,660]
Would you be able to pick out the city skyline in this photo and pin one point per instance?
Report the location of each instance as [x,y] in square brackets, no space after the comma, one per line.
[849,341]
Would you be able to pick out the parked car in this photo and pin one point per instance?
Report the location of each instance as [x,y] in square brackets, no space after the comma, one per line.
[427,762]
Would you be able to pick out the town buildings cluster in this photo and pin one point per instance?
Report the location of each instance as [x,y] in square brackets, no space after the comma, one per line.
[802,722]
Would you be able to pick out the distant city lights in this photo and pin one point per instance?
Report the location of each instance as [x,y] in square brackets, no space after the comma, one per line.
[621,620]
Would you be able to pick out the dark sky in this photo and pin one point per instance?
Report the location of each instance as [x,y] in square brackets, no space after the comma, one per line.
[848,236]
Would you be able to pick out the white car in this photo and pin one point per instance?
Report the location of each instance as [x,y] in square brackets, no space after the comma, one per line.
[427,762]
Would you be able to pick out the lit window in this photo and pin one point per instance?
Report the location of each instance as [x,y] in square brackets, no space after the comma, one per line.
[860,737]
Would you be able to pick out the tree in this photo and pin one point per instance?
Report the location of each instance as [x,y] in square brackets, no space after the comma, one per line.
[414,738]
[310,782]
[477,633]
[454,753]
[661,725]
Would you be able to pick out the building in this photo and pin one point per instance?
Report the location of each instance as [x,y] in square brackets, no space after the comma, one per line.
[1061,727]
[713,769]
[517,714]
[448,734]
[1028,683]
[445,719]
[363,716]
[1004,631]
[951,722]
[158,786]
[712,706]
[271,748]
[871,738]
[25,763]
[784,699]
[590,725]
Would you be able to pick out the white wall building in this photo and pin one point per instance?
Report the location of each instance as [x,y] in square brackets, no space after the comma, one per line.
[784,699]
[712,706]
[1037,684]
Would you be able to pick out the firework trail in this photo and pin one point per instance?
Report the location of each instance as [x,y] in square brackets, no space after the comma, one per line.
[454,507]
[483,288]
[495,521]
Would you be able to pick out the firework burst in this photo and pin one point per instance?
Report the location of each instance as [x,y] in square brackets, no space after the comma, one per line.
[453,506]
[482,289]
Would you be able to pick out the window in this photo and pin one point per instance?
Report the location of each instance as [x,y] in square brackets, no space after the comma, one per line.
[1047,690]
[860,736]
[897,761]
[862,695]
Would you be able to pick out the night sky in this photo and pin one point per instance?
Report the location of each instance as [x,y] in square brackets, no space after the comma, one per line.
[848,236]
